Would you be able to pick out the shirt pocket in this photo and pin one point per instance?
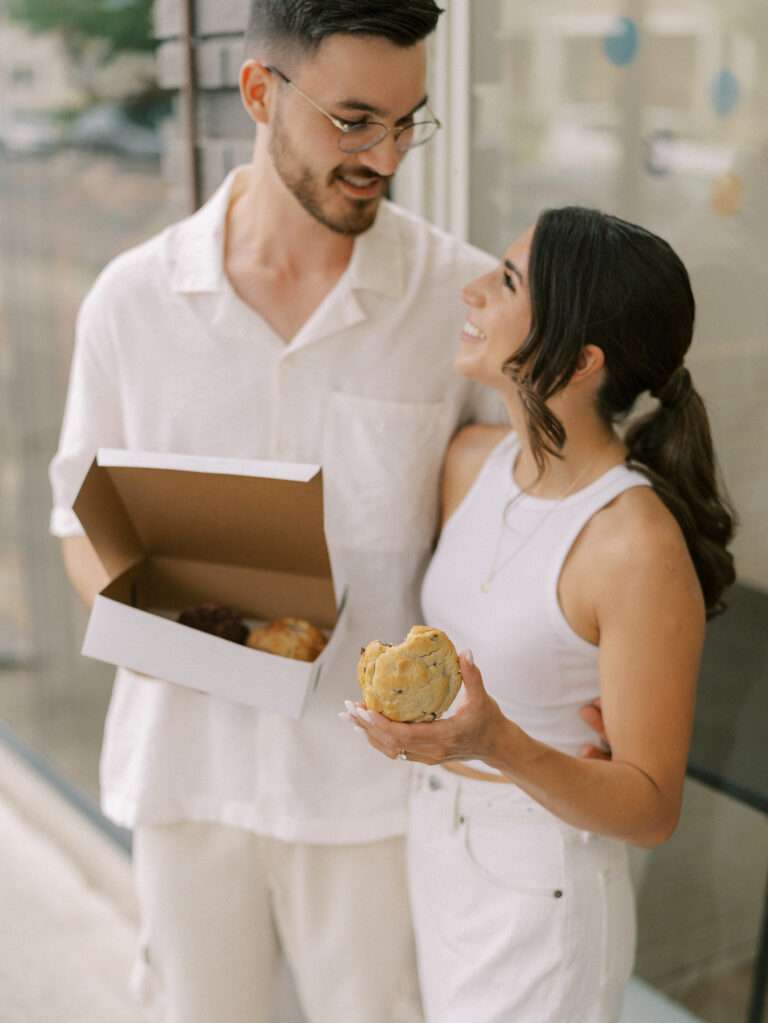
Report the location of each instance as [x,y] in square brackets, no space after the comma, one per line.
[382,462]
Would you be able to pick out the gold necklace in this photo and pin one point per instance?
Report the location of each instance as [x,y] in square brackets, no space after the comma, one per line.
[485,586]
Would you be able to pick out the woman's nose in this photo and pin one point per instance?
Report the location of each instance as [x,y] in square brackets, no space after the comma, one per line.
[472,294]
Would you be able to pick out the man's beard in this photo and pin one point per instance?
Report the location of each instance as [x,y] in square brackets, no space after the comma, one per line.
[303,184]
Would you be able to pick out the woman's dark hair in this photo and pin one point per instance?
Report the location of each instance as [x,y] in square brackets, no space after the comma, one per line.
[301,25]
[596,279]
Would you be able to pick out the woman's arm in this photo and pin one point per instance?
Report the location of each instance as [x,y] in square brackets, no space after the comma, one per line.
[650,614]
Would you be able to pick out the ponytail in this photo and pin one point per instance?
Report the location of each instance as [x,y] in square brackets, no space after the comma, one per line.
[672,446]
[595,279]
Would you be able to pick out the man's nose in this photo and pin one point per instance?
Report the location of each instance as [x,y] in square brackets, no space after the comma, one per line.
[384,158]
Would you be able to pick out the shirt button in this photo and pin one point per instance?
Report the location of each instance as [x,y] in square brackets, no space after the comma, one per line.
[435,783]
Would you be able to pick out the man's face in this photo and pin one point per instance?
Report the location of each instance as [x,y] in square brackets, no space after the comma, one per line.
[354,78]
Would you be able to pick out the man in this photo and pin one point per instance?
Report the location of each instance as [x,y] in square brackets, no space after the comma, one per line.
[297,316]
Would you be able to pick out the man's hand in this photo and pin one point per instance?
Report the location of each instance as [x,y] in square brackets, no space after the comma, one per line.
[592,714]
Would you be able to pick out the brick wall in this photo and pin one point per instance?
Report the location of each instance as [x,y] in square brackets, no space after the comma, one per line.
[225,132]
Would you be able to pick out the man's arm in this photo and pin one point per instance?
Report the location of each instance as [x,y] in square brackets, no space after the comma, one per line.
[85,571]
[592,714]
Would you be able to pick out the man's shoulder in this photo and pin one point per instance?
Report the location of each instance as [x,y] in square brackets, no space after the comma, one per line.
[443,249]
[155,265]
[142,266]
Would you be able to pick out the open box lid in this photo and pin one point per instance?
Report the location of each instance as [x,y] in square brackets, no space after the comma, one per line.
[268,515]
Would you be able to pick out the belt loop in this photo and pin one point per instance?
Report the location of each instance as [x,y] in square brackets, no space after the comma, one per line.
[458,817]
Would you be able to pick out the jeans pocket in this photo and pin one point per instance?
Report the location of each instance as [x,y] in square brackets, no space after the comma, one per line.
[522,852]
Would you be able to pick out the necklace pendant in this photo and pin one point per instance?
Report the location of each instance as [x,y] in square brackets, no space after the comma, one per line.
[486,586]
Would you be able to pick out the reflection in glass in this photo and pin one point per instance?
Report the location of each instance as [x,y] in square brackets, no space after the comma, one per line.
[671,132]
[80,180]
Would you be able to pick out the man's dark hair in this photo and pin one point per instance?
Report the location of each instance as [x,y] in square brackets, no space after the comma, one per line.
[300,26]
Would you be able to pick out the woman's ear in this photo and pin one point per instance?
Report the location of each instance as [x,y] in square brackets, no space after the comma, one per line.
[591,361]
[255,81]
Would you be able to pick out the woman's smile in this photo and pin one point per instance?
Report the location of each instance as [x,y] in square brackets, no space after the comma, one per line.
[471,332]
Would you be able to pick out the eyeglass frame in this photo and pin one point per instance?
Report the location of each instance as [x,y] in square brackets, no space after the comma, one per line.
[347,129]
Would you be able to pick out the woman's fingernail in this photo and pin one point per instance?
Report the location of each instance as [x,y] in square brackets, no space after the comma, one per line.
[365,714]
[344,715]
[350,706]
[467,655]
[357,728]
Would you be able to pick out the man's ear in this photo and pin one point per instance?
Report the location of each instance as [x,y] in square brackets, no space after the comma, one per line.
[591,361]
[255,84]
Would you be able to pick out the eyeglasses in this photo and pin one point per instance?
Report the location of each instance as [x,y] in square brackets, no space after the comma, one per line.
[358,136]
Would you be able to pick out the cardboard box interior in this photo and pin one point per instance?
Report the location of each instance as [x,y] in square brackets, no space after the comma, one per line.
[174,538]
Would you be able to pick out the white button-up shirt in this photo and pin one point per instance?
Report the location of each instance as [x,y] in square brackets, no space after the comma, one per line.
[168,358]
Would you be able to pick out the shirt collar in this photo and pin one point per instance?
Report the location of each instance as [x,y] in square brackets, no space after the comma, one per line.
[196,250]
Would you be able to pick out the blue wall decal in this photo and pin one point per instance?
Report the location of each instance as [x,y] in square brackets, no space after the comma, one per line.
[620,45]
[725,93]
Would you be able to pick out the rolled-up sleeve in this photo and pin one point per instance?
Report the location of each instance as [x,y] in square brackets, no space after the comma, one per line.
[92,413]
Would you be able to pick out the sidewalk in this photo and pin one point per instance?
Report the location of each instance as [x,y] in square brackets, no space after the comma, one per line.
[67,938]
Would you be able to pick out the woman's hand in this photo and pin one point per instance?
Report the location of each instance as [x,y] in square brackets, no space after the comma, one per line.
[472,733]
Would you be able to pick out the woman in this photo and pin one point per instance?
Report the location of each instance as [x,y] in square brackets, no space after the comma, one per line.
[577,564]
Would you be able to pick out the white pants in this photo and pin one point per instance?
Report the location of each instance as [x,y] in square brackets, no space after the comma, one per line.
[519,918]
[218,902]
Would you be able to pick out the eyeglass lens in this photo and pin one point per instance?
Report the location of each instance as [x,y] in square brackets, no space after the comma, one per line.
[364,136]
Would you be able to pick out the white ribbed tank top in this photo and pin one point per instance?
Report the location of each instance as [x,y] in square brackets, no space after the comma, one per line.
[533,663]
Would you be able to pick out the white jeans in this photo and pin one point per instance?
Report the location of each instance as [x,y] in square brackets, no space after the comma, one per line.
[218,902]
[519,918]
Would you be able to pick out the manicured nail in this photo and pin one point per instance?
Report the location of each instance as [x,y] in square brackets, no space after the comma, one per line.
[468,657]
[345,716]
[357,728]
[365,714]
[350,706]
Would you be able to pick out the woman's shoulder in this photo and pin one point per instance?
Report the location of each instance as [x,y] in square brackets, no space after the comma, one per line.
[637,534]
[477,439]
[465,457]
[646,572]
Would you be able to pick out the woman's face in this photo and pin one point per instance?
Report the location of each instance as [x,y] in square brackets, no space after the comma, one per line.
[498,317]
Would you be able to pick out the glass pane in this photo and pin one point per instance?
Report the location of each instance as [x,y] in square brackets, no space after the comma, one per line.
[655,110]
[80,180]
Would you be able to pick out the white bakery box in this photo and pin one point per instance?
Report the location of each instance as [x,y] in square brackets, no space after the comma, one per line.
[178,531]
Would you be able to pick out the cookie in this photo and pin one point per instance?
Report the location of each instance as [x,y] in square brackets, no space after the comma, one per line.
[288,637]
[415,681]
[216,619]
